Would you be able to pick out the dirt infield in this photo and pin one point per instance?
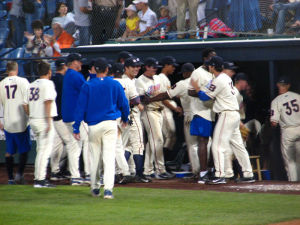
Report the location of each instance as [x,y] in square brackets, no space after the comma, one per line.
[280,187]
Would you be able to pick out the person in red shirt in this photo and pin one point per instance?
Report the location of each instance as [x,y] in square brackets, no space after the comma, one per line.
[61,39]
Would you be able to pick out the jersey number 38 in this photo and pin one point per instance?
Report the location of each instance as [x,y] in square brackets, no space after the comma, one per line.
[34,94]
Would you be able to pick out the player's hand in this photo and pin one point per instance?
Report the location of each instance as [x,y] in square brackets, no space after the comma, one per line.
[124,125]
[195,85]
[145,99]
[179,110]
[141,107]
[76,136]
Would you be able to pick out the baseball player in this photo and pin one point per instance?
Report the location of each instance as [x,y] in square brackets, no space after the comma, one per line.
[285,111]
[134,134]
[73,80]
[61,137]
[16,130]
[226,133]
[148,84]
[203,116]
[180,90]
[101,101]
[123,56]
[40,105]
[169,130]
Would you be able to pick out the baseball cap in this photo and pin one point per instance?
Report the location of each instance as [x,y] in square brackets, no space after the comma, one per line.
[140,1]
[284,80]
[117,68]
[101,63]
[230,66]
[132,61]
[74,56]
[241,76]
[187,67]
[150,61]
[124,55]
[169,60]
[131,7]
[60,62]
[216,61]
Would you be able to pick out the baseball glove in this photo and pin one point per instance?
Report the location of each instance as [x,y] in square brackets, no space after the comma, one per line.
[245,132]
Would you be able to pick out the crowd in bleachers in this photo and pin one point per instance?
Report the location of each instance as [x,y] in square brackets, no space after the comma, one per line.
[94,22]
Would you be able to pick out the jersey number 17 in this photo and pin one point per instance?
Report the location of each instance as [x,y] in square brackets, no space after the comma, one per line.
[11,89]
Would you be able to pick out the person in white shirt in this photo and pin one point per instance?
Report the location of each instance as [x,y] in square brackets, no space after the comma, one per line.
[16,129]
[227,134]
[82,20]
[148,18]
[41,107]
[285,111]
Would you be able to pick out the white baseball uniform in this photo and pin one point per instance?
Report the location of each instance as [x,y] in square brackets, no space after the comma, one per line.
[40,91]
[12,92]
[152,120]
[227,133]
[169,129]
[285,110]
[180,89]
[198,107]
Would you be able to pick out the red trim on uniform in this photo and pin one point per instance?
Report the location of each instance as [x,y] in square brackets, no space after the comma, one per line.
[219,140]
[155,158]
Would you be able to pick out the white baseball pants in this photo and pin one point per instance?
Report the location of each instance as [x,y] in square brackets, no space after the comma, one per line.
[44,146]
[227,139]
[290,149]
[152,121]
[103,139]
[192,145]
[168,129]
[121,162]
[84,146]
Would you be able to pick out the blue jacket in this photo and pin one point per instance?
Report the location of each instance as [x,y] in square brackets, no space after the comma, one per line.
[73,81]
[101,99]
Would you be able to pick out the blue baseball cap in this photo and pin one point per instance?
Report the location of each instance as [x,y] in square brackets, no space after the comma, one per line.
[215,61]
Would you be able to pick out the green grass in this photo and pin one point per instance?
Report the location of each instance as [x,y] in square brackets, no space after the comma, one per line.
[74,205]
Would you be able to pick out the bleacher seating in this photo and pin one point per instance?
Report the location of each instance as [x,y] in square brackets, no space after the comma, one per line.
[3,5]
[3,14]
[3,36]
[15,54]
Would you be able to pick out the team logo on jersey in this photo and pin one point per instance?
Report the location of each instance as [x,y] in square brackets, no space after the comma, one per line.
[153,90]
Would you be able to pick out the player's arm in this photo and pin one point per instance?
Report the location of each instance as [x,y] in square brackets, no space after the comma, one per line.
[26,109]
[122,104]
[201,94]
[275,114]
[80,110]
[47,105]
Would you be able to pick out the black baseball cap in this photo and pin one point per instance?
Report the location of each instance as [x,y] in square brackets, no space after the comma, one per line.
[117,68]
[73,57]
[101,63]
[60,62]
[230,66]
[284,80]
[187,67]
[150,61]
[132,61]
[240,76]
[168,60]
[215,61]
[124,55]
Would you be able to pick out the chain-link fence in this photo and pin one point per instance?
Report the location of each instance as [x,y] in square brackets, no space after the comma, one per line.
[100,21]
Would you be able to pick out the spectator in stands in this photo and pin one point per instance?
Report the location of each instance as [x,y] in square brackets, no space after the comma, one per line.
[38,44]
[164,19]
[51,9]
[106,16]
[34,11]
[132,23]
[64,18]
[244,15]
[17,18]
[181,12]
[82,20]
[61,39]
[281,8]
[148,19]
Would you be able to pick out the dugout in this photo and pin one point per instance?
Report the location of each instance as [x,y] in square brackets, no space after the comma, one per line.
[263,60]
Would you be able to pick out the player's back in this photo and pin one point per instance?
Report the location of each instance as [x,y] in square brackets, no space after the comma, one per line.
[12,92]
[40,91]
[286,107]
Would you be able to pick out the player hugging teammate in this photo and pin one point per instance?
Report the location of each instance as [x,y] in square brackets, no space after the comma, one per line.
[109,117]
